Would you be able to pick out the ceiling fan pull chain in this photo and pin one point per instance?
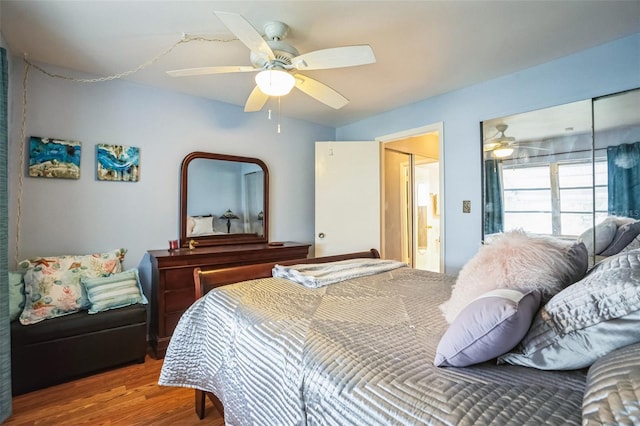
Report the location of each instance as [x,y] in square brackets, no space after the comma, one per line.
[279,114]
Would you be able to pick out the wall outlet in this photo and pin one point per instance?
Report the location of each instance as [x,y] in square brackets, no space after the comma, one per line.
[466,206]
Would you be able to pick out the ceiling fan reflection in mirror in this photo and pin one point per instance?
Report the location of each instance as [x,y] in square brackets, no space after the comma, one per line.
[503,146]
[277,63]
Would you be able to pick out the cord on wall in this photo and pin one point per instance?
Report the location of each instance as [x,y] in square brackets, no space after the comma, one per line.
[27,67]
[185,39]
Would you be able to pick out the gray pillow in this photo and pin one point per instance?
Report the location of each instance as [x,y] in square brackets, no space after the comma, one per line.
[604,234]
[634,244]
[489,326]
[587,320]
[624,235]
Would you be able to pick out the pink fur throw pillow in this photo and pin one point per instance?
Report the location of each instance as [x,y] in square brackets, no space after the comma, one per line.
[519,261]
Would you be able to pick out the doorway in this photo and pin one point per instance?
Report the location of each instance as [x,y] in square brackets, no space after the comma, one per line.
[412,198]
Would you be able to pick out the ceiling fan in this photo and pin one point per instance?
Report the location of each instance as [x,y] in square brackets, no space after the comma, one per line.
[502,146]
[277,63]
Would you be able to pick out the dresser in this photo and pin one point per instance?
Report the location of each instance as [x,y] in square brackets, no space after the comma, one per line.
[172,287]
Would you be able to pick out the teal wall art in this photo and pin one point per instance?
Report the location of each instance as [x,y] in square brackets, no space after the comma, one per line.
[118,163]
[54,158]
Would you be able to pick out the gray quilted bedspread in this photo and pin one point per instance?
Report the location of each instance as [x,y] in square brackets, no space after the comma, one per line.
[613,392]
[359,352]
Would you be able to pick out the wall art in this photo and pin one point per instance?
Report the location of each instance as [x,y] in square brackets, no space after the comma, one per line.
[118,163]
[54,158]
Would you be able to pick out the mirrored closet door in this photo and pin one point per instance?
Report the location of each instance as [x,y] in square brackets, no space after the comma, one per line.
[563,170]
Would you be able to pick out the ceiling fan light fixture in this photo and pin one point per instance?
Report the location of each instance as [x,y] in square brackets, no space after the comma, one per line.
[275,82]
[502,152]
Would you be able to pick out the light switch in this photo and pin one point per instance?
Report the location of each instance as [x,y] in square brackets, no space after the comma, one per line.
[466,206]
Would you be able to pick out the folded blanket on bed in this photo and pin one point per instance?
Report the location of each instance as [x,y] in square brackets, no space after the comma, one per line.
[315,275]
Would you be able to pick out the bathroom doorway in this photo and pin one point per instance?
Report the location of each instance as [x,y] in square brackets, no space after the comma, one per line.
[412,224]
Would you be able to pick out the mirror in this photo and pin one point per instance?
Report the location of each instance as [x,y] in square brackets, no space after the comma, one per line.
[555,171]
[223,200]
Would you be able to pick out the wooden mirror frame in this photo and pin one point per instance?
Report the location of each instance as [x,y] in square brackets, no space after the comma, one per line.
[215,240]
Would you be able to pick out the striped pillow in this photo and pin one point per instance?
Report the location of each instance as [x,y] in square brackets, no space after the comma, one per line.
[115,291]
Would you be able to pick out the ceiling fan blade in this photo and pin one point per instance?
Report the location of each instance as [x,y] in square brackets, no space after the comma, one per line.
[490,146]
[246,33]
[336,57]
[256,100]
[211,70]
[320,92]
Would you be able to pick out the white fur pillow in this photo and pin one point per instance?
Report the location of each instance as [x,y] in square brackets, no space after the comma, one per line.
[519,261]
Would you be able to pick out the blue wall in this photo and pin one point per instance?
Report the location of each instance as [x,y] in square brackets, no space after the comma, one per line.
[605,69]
[65,216]
[60,216]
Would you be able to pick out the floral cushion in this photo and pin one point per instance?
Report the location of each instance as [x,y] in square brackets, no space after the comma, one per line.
[52,284]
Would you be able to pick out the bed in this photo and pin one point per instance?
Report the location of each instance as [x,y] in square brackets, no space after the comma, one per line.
[360,352]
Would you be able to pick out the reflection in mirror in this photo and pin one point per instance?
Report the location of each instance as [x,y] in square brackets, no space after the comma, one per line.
[557,171]
[617,132]
[525,155]
[224,199]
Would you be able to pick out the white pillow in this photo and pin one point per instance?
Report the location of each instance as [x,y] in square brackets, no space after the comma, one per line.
[518,261]
[202,225]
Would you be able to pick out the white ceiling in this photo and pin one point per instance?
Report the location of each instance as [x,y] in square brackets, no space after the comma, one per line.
[423,48]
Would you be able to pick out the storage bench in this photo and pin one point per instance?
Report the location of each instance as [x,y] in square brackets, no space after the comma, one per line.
[75,345]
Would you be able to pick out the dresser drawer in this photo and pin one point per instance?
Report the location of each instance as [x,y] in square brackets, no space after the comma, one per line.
[178,300]
[177,279]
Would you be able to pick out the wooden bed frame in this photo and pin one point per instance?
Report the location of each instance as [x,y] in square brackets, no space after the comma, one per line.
[206,280]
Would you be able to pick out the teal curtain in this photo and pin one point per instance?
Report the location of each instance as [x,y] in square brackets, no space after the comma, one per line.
[623,168]
[5,338]
[493,209]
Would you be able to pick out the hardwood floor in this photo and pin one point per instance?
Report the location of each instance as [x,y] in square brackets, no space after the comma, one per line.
[128,395]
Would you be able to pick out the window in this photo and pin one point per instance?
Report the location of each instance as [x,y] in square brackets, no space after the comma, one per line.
[556,198]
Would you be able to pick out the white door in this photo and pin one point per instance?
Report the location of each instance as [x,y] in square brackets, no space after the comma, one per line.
[347,197]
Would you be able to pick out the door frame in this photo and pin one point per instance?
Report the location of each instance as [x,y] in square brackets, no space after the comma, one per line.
[435,127]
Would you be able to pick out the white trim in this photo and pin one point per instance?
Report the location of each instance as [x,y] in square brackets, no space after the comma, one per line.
[435,127]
